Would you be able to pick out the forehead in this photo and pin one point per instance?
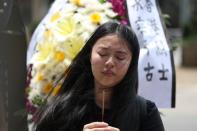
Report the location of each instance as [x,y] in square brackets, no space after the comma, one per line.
[111,42]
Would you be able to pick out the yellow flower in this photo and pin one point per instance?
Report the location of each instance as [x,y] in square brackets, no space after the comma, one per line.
[95,17]
[56,90]
[59,56]
[47,33]
[55,16]
[65,26]
[74,46]
[44,50]
[47,88]
[39,76]
[76,2]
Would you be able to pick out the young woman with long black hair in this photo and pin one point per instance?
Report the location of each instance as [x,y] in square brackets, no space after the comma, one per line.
[100,90]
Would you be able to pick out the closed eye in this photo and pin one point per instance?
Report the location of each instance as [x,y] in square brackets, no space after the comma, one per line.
[120,58]
[102,54]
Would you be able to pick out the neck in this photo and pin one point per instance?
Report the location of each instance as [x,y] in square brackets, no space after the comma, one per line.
[103,94]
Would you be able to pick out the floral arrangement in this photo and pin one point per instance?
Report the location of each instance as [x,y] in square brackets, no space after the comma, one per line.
[59,41]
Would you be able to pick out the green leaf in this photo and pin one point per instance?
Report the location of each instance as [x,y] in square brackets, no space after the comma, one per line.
[38,100]
[102,1]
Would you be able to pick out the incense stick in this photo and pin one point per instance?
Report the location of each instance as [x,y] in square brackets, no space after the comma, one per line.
[103,105]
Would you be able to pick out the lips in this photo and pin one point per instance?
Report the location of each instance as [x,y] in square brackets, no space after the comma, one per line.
[108,73]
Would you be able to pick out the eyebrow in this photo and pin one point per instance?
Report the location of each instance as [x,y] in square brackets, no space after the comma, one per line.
[122,52]
[119,51]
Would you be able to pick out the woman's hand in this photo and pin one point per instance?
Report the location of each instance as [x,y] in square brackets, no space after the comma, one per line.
[99,126]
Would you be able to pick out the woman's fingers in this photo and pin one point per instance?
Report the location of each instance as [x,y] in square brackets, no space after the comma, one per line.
[113,128]
[98,129]
[95,125]
[99,126]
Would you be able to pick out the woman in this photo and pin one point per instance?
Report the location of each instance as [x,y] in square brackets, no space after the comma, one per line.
[103,75]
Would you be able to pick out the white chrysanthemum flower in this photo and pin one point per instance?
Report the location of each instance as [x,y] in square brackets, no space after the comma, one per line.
[62,36]
[110,13]
[33,93]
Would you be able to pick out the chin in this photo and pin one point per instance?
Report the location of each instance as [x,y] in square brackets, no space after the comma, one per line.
[108,85]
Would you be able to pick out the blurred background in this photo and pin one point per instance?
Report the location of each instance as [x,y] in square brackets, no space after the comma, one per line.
[180,17]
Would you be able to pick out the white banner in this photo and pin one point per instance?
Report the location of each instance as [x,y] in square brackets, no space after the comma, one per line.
[155,64]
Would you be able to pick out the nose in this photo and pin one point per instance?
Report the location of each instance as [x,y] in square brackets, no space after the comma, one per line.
[110,62]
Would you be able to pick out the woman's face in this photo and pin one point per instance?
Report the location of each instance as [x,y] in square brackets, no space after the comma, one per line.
[110,60]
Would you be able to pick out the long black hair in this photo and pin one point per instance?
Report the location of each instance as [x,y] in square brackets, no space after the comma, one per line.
[73,102]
